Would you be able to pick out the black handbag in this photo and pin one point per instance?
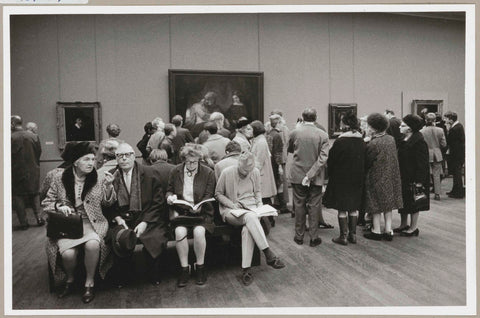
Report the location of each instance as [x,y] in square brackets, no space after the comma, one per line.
[184,217]
[62,226]
[421,200]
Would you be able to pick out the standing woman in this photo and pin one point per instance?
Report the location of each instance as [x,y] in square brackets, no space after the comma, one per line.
[263,162]
[414,171]
[80,188]
[383,189]
[346,169]
[193,182]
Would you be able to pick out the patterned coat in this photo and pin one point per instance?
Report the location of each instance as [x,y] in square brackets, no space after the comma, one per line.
[62,188]
[383,187]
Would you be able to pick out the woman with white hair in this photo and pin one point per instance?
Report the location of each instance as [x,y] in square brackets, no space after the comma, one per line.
[239,188]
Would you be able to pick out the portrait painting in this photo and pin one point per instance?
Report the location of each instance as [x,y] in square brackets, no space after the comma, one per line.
[195,95]
[335,114]
[78,122]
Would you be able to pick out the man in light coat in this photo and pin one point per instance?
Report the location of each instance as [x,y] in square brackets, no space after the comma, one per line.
[309,146]
[435,139]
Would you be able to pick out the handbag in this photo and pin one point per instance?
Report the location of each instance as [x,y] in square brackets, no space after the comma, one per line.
[420,199]
[184,217]
[62,226]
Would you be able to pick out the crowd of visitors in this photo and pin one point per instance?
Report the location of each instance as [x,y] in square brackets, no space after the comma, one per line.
[378,164]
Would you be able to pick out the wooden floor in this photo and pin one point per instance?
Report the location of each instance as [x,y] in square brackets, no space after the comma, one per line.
[428,270]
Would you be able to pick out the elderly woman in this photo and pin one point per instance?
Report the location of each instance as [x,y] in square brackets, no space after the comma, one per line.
[244,134]
[383,190]
[79,188]
[414,171]
[346,170]
[239,188]
[193,182]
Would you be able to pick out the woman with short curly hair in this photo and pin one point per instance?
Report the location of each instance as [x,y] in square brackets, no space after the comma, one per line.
[383,188]
[192,182]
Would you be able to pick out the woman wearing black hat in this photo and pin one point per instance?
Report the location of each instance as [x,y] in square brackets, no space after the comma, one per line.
[346,170]
[79,188]
[383,191]
[244,134]
[414,170]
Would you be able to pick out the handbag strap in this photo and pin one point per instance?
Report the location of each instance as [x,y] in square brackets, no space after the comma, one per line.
[61,201]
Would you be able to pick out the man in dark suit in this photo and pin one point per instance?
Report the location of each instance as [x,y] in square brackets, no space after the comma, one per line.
[140,207]
[26,151]
[183,136]
[455,153]
[394,126]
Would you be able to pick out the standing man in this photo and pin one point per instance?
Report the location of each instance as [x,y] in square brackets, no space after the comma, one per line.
[215,143]
[394,126]
[455,153]
[435,139]
[140,207]
[25,163]
[183,136]
[232,152]
[309,146]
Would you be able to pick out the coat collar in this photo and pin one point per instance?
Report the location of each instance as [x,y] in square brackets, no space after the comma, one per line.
[68,181]
[414,138]
[351,134]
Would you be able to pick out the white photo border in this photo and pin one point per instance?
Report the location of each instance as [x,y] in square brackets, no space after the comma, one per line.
[471,279]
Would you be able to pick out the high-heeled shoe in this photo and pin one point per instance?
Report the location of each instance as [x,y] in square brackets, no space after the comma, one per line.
[401,229]
[373,236]
[414,233]
[67,290]
[88,295]
[388,236]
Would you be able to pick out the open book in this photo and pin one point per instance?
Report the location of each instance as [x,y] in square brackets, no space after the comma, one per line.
[264,210]
[194,207]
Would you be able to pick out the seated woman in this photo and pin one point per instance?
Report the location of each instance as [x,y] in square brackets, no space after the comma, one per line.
[80,188]
[238,188]
[192,182]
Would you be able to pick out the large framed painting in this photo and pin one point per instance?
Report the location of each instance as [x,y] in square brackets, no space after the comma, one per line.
[196,94]
[335,114]
[79,122]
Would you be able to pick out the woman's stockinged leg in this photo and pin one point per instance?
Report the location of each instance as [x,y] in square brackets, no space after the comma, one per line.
[182,245]
[388,221]
[69,260]
[376,223]
[92,255]
[199,244]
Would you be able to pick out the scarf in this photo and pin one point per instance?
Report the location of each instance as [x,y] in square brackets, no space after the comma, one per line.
[132,199]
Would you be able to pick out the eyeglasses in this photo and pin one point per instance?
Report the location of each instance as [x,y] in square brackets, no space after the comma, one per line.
[124,155]
[191,162]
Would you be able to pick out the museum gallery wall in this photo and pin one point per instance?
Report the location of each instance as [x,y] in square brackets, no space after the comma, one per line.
[306,60]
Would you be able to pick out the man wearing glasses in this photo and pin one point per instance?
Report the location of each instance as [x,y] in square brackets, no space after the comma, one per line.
[140,208]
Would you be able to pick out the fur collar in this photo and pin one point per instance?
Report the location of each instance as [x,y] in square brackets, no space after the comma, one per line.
[68,181]
[351,134]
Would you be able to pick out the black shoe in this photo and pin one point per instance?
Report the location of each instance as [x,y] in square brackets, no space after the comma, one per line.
[315,242]
[456,196]
[373,236]
[21,227]
[247,278]
[201,274]
[414,233]
[437,197]
[40,222]
[67,290]
[88,295]
[276,263]
[183,278]
[401,229]
[298,241]
[388,236]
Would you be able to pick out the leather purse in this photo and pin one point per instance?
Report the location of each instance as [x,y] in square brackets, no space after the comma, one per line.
[62,226]
[183,217]
[420,198]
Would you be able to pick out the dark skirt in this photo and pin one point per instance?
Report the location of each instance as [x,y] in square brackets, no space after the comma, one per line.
[207,222]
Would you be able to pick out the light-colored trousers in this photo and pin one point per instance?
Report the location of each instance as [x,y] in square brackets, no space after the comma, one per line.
[436,169]
[252,233]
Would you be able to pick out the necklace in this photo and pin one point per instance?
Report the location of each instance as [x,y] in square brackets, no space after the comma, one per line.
[190,172]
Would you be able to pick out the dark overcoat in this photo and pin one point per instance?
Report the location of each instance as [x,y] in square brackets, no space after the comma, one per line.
[26,151]
[203,188]
[153,211]
[62,189]
[383,187]
[346,171]
[456,144]
[414,168]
